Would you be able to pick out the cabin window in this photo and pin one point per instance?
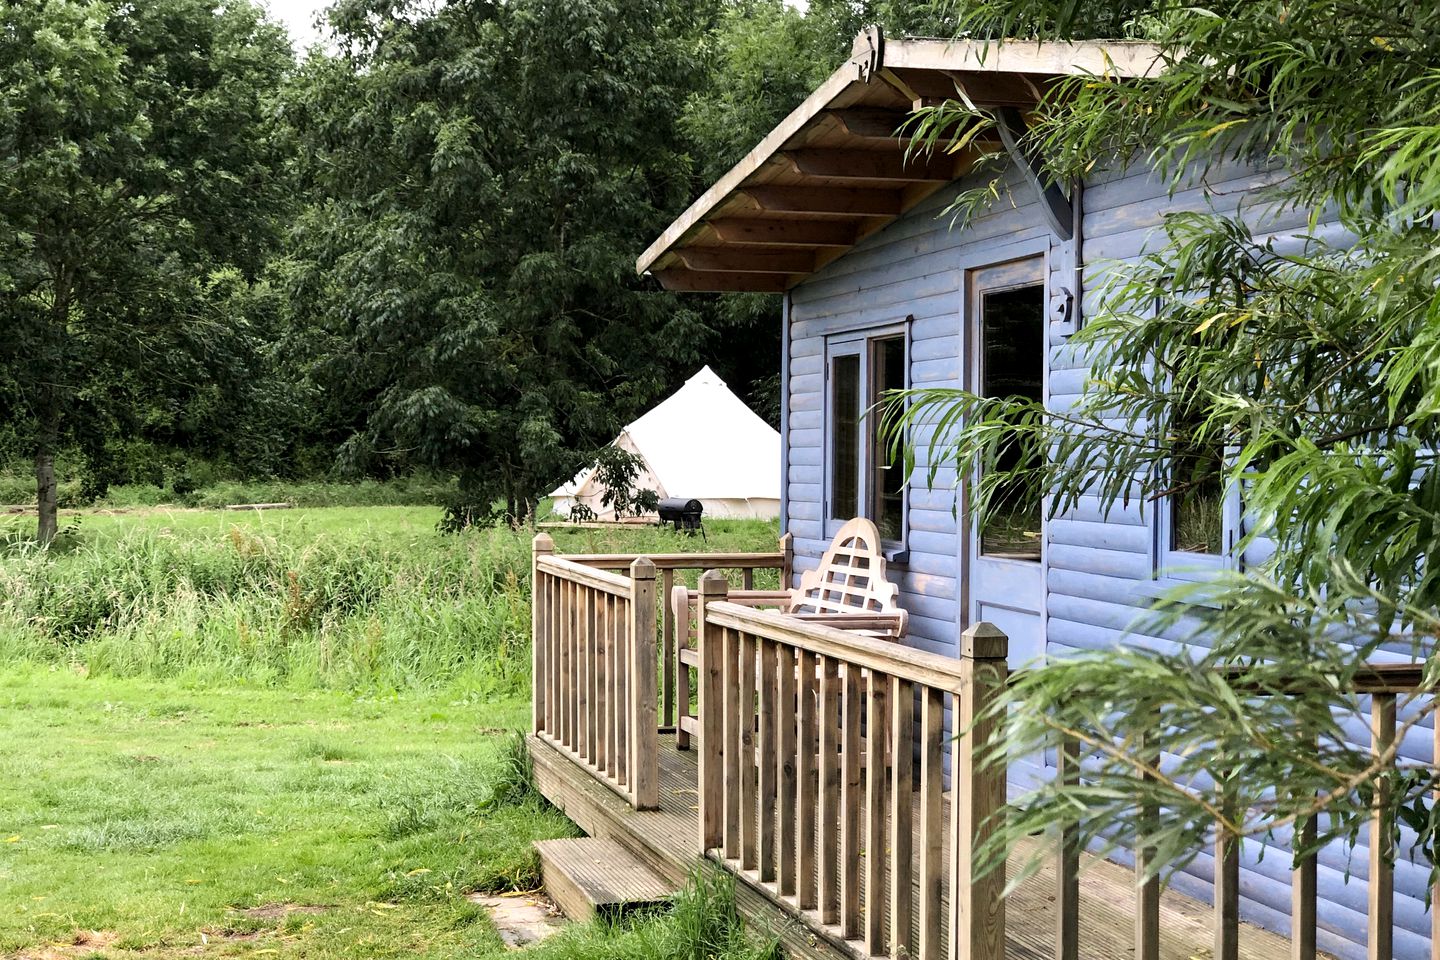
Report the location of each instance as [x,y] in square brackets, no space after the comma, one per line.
[1198,516]
[1012,364]
[845,437]
[1196,502]
[863,476]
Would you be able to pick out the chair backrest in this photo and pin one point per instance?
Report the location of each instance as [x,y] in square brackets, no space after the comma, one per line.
[850,578]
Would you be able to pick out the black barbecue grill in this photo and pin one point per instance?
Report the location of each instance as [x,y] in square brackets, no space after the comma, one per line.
[683,513]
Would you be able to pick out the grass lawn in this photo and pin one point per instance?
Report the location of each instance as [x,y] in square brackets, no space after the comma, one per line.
[146,816]
[284,734]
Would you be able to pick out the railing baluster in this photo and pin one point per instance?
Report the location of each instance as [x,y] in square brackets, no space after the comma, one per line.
[749,812]
[902,821]
[850,803]
[806,752]
[617,671]
[737,713]
[1303,894]
[625,623]
[604,703]
[1067,866]
[747,578]
[1227,887]
[785,719]
[554,631]
[1381,935]
[717,712]
[584,682]
[567,640]
[876,720]
[827,836]
[769,714]
[932,823]
[668,664]
[1147,880]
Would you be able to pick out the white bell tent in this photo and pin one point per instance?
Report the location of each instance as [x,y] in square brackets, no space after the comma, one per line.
[701,443]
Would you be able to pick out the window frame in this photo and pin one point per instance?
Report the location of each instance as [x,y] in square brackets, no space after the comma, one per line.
[1031,270]
[862,343]
[1188,566]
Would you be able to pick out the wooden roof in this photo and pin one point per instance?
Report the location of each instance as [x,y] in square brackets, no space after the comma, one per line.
[835,171]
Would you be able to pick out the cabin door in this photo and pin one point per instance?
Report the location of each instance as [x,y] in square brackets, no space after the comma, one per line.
[1005,335]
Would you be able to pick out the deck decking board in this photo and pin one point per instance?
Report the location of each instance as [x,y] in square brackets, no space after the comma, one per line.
[666,840]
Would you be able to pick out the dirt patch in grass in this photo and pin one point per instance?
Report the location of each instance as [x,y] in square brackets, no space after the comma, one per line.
[82,944]
[279,911]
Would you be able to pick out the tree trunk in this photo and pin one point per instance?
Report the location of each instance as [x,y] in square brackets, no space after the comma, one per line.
[45,494]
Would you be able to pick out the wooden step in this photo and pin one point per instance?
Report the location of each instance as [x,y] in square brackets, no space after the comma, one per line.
[590,876]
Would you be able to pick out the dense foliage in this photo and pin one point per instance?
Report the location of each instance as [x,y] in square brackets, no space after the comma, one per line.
[143,188]
[1297,369]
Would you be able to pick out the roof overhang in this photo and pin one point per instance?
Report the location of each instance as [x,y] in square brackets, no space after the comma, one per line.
[836,170]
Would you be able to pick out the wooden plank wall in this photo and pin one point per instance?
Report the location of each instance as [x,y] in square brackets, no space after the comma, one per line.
[1099,570]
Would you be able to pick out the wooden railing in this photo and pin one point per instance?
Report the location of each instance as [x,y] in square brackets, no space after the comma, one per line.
[594,669]
[599,676]
[670,564]
[1383,683]
[809,785]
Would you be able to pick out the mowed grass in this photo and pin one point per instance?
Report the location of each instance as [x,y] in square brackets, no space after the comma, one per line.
[285,734]
[144,816]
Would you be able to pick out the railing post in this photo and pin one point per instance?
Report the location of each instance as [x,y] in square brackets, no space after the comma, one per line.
[540,612]
[644,729]
[711,641]
[977,905]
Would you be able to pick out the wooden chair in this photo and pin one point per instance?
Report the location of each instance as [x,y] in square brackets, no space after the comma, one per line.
[848,590]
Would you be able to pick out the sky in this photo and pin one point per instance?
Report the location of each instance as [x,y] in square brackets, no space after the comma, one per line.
[297,16]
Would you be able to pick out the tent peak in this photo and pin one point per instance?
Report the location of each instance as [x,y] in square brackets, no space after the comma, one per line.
[706,375]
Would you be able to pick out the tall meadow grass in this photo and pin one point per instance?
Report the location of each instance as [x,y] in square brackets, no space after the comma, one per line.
[353,598]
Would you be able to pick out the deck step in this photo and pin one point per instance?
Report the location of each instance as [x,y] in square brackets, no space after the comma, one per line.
[589,876]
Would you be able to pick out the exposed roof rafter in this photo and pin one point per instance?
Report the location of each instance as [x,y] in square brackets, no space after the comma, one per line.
[837,169]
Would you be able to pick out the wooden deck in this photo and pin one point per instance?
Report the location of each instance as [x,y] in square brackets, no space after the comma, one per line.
[666,839]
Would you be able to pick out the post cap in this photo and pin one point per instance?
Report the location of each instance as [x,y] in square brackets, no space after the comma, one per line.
[713,583]
[543,543]
[984,641]
[642,568]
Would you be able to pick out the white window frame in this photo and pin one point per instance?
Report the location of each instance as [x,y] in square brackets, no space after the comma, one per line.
[1186,565]
[860,343]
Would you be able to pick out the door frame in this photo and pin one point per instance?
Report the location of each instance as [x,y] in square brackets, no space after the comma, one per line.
[1031,260]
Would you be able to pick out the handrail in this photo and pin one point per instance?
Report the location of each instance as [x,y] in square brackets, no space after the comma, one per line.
[567,568]
[892,659]
[1369,678]
[684,561]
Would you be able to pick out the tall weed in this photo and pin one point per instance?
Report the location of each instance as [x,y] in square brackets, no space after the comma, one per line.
[348,598]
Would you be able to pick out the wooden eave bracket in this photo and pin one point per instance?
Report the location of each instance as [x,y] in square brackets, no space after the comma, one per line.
[1010,124]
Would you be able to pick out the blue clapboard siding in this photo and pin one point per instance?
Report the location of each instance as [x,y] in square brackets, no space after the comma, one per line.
[1099,566]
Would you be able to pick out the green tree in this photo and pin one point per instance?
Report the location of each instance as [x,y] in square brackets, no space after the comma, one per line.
[1309,370]
[140,159]
[486,173]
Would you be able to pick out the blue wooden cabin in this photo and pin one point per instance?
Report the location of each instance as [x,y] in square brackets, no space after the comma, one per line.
[881,292]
